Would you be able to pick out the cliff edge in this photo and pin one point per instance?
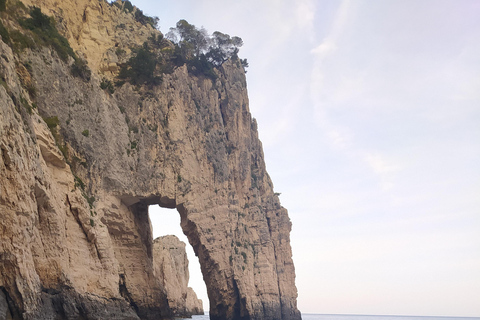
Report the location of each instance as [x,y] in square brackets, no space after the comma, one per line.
[81,160]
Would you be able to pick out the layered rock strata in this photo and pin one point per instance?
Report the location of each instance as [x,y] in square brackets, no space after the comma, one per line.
[171,267]
[79,167]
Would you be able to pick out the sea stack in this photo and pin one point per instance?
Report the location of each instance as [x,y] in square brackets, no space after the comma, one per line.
[171,268]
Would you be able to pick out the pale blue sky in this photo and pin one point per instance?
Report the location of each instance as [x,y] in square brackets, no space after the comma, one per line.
[369,113]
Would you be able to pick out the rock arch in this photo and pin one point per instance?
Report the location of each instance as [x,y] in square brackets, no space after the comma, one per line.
[75,234]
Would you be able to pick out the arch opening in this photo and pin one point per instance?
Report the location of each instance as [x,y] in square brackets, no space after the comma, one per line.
[166,221]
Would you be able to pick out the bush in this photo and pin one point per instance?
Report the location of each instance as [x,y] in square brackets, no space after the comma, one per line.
[127,6]
[120,52]
[80,69]
[3,5]
[26,105]
[107,85]
[21,41]
[140,68]
[4,33]
[52,122]
[86,133]
[201,65]
[244,255]
[139,16]
[44,27]
[244,63]
[143,19]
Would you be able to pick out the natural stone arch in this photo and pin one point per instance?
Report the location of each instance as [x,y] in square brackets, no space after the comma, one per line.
[188,143]
[221,286]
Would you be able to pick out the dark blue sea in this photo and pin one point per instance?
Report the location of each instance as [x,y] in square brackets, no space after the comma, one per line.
[309,316]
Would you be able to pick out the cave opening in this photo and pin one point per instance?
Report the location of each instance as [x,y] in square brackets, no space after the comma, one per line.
[166,221]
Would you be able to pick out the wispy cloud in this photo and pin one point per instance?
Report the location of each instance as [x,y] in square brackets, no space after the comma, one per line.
[305,17]
[384,168]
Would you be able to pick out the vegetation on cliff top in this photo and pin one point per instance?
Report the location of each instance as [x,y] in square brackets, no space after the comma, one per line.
[184,44]
[38,30]
[128,7]
[46,33]
[196,44]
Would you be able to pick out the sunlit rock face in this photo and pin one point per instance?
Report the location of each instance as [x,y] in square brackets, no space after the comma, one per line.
[171,268]
[79,167]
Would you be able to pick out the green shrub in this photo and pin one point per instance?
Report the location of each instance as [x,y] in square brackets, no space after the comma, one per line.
[143,19]
[201,65]
[4,84]
[140,68]
[3,5]
[127,6]
[4,32]
[244,63]
[90,200]
[52,122]
[80,69]
[21,41]
[120,52]
[32,91]
[116,4]
[244,255]
[26,105]
[79,182]
[44,27]
[107,85]
[119,83]
[86,133]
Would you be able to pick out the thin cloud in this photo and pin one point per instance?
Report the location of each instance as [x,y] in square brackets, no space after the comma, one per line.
[305,17]
[385,169]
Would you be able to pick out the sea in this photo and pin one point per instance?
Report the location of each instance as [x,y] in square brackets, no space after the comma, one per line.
[310,316]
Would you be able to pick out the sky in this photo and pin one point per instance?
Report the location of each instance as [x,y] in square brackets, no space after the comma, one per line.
[369,114]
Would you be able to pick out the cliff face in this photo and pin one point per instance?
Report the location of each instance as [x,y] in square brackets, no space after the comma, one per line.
[171,267]
[79,167]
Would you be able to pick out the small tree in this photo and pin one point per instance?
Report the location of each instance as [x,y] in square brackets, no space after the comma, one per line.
[194,42]
[127,6]
[191,40]
[140,68]
[223,47]
[143,19]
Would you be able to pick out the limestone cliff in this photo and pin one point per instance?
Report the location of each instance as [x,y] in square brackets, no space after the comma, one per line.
[80,165]
[171,267]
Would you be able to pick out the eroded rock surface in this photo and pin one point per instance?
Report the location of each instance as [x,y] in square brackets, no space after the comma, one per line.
[79,167]
[171,267]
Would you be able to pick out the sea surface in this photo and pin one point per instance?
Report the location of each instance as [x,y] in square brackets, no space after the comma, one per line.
[309,316]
